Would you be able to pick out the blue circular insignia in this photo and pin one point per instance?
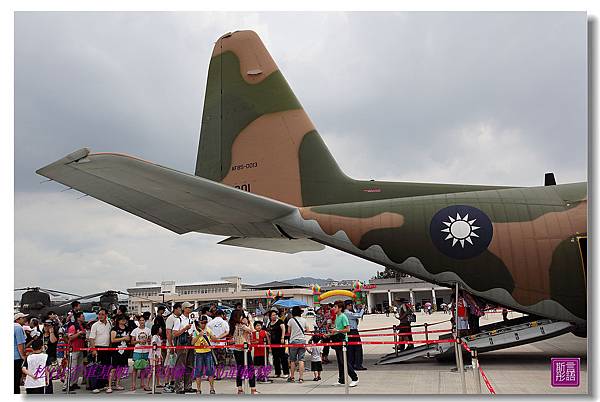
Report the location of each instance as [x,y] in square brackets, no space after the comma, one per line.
[461,231]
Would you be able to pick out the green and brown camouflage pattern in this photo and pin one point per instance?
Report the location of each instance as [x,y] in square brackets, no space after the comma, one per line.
[534,253]
[256,136]
[522,248]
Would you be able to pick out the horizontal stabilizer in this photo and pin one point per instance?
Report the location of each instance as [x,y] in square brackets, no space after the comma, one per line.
[174,200]
[281,245]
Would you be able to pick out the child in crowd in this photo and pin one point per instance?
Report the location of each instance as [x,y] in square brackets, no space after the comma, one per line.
[204,357]
[140,338]
[259,337]
[316,365]
[34,368]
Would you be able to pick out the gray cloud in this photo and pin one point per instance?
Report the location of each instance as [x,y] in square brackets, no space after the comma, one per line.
[494,98]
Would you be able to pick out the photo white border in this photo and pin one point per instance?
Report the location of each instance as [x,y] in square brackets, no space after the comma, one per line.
[7,109]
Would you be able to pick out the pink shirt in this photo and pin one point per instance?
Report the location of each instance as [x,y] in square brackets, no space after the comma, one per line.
[77,342]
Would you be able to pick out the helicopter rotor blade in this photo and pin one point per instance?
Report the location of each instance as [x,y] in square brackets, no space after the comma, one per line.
[59,292]
[81,298]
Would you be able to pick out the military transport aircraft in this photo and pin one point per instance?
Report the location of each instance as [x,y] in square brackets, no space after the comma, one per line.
[265,178]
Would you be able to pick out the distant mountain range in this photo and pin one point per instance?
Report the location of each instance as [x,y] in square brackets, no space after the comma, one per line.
[309,280]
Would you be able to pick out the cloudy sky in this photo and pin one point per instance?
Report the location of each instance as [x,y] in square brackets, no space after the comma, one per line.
[496,98]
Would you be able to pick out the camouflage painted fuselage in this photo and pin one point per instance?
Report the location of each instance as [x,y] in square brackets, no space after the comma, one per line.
[532,263]
[518,247]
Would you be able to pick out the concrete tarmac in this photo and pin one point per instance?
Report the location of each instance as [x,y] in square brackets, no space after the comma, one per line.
[518,370]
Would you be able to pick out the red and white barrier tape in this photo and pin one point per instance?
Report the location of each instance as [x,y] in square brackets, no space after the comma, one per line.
[487,382]
[485,379]
[281,345]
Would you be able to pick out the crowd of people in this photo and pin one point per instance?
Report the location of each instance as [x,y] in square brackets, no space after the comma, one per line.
[135,344]
[56,348]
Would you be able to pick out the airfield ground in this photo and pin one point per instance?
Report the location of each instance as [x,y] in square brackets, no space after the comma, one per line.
[519,370]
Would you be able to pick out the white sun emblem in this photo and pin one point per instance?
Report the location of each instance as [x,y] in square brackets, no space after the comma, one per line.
[460,230]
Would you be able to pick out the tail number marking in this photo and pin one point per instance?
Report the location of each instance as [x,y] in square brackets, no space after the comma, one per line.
[243,166]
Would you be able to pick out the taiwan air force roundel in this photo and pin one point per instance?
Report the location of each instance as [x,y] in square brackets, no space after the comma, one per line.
[461,231]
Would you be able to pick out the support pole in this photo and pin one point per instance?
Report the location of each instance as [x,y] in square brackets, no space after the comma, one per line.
[456,351]
[427,338]
[461,367]
[344,351]
[395,340]
[475,364]
[266,379]
[246,386]
[69,350]
[153,369]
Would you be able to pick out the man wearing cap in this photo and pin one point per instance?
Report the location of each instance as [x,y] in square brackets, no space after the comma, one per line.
[19,337]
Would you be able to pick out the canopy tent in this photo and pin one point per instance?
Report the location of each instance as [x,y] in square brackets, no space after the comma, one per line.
[90,316]
[289,303]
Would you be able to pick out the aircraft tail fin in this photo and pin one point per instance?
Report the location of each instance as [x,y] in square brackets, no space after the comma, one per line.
[255,134]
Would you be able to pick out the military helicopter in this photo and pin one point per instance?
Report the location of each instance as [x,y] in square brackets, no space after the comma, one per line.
[36,300]
[37,303]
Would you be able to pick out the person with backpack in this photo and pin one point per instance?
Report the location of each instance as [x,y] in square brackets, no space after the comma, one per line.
[406,316]
[180,328]
[296,331]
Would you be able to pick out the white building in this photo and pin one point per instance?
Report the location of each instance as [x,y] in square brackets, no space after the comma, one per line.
[145,296]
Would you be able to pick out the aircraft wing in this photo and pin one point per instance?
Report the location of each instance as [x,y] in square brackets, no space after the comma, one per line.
[174,200]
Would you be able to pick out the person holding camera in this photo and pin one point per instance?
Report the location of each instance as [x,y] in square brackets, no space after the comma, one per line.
[355,352]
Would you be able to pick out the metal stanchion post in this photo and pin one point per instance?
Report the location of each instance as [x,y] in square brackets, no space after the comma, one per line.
[246,386]
[153,369]
[266,377]
[69,347]
[475,364]
[395,340]
[344,351]
[456,346]
[461,367]
[426,338]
